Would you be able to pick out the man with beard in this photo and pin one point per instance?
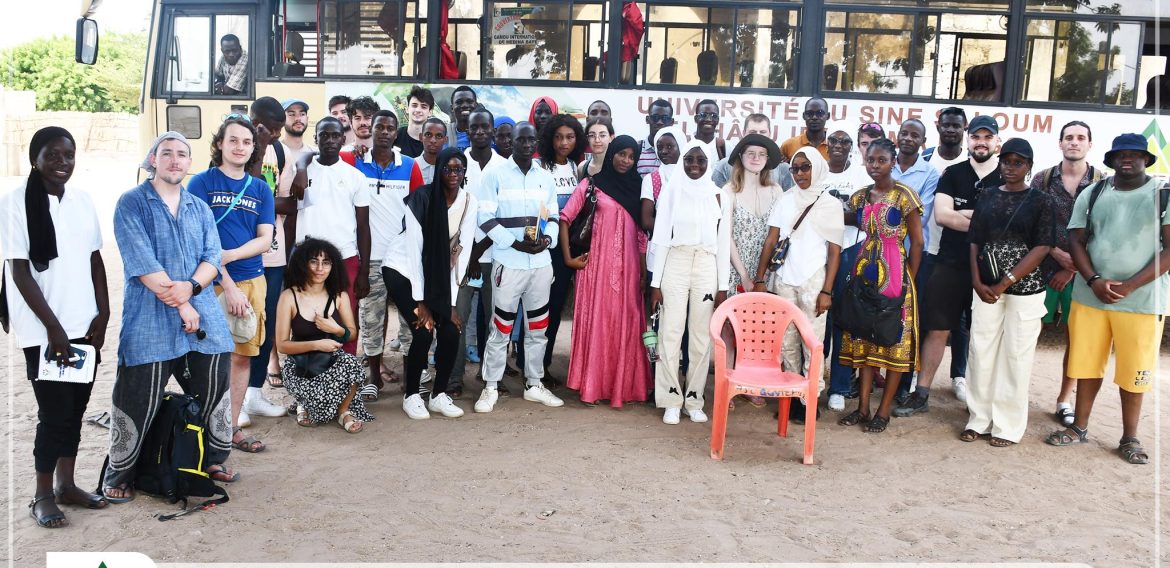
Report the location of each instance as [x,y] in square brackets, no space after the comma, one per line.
[361,116]
[463,101]
[948,293]
[1063,182]
[337,106]
[296,121]
[816,115]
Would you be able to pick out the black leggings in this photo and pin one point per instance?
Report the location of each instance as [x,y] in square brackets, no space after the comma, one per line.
[60,407]
[398,290]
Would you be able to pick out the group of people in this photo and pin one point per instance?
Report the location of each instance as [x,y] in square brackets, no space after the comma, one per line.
[297,248]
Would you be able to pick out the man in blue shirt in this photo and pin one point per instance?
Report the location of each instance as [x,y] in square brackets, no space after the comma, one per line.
[245,217]
[518,212]
[170,324]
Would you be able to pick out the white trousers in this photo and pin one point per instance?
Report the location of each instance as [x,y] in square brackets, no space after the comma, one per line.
[1003,346]
[510,286]
[689,278]
[795,356]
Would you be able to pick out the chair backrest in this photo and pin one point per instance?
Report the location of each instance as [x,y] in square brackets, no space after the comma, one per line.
[758,321]
[668,70]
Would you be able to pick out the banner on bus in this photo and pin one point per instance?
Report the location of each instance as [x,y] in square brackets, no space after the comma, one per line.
[508,26]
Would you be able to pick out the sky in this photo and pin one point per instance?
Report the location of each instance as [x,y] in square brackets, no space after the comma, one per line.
[59,17]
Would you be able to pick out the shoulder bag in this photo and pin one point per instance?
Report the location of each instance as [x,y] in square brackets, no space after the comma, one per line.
[581,229]
[865,313]
[781,253]
[990,270]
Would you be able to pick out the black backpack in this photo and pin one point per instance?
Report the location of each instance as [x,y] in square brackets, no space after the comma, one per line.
[171,462]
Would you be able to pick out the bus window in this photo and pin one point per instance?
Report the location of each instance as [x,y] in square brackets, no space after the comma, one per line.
[189,68]
[941,56]
[689,45]
[1137,8]
[765,48]
[233,67]
[360,38]
[539,40]
[463,28]
[296,39]
[1092,62]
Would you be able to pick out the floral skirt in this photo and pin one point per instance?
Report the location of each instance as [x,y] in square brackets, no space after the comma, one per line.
[321,395]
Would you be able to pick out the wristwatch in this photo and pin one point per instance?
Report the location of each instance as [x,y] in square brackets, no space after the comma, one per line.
[196,287]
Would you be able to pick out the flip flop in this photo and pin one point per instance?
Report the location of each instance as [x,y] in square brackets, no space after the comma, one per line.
[369,393]
[128,494]
[275,380]
[389,376]
[220,473]
[969,436]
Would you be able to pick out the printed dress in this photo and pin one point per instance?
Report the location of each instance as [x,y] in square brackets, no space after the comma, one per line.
[321,395]
[748,232]
[882,260]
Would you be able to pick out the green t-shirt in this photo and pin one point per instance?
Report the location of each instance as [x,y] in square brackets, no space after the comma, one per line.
[1125,239]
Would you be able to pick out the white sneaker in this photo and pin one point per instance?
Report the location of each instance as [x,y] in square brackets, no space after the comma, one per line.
[836,402]
[697,415]
[960,384]
[487,400]
[542,395]
[445,406]
[395,344]
[244,420]
[255,403]
[414,407]
[671,415]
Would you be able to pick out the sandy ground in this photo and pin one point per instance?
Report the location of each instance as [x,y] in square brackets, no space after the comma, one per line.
[529,483]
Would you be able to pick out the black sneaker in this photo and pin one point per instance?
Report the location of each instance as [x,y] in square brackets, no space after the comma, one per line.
[913,405]
[901,397]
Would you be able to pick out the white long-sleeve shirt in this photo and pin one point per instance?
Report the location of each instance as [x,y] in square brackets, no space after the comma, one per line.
[691,218]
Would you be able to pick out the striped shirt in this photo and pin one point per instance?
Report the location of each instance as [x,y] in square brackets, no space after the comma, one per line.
[648,159]
[509,201]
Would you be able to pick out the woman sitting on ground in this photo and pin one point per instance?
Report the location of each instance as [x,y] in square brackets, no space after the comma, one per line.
[313,320]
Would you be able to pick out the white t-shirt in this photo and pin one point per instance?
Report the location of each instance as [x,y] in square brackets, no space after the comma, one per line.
[327,212]
[565,178]
[845,184]
[68,282]
[935,231]
[807,251]
[428,170]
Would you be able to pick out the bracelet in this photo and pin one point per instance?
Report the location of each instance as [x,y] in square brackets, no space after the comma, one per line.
[829,294]
[1011,277]
[1092,278]
[760,280]
[344,337]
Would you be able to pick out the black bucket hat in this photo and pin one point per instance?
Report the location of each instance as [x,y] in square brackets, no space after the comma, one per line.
[756,140]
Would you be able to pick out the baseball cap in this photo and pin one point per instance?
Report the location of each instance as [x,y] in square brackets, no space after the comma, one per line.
[983,121]
[290,102]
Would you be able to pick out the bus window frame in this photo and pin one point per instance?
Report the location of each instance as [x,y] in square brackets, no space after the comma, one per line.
[173,9]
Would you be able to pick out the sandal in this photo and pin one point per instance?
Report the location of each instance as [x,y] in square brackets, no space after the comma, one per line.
[101,419]
[353,425]
[997,442]
[90,501]
[853,419]
[1065,416]
[50,521]
[275,380]
[127,494]
[249,444]
[303,418]
[1132,451]
[369,393]
[1068,437]
[222,474]
[969,436]
[389,376]
[877,425]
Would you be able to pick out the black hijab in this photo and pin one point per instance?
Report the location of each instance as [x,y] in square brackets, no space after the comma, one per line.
[42,236]
[429,205]
[625,188]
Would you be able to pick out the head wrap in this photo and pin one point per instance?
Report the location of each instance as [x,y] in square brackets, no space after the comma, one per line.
[429,205]
[680,138]
[682,189]
[42,235]
[552,105]
[625,188]
[168,135]
[825,217]
[500,122]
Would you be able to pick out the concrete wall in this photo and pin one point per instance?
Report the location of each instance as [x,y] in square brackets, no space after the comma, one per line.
[100,133]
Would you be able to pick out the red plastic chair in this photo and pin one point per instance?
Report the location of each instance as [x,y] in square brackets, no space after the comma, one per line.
[758,321]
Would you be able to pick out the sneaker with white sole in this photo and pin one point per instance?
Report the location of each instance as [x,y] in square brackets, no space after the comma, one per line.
[538,393]
[445,406]
[671,415]
[414,407]
[244,420]
[395,344]
[487,400]
[697,415]
[256,404]
[836,402]
[960,384]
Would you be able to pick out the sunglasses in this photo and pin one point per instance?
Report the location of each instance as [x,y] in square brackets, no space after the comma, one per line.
[706,115]
[238,116]
[839,140]
[871,126]
[660,118]
[816,114]
[801,169]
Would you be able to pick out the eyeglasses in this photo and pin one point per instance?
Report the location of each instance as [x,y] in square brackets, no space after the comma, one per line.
[706,115]
[597,136]
[455,171]
[816,114]
[660,118]
[238,116]
[839,140]
[755,155]
[801,169]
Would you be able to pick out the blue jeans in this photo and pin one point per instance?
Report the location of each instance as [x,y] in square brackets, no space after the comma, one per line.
[274,276]
[840,376]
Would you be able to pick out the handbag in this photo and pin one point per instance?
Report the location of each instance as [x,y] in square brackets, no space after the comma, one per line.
[780,254]
[313,363]
[866,314]
[990,270]
[581,230]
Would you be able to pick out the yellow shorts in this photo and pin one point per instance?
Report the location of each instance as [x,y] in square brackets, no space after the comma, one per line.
[255,290]
[1134,338]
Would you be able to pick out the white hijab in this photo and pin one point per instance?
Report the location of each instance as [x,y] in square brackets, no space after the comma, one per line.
[680,138]
[825,217]
[683,197]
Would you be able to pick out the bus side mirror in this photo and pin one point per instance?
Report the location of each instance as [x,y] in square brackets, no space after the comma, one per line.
[87,41]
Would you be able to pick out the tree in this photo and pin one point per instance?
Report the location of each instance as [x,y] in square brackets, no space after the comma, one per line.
[46,66]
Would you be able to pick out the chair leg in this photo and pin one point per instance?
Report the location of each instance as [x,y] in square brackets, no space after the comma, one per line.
[782,427]
[719,418]
[810,429]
